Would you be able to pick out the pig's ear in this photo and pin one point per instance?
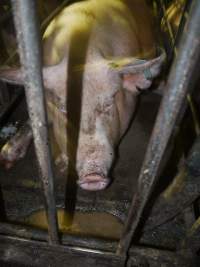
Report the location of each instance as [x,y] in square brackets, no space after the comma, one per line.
[138,74]
[12,75]
[52,75]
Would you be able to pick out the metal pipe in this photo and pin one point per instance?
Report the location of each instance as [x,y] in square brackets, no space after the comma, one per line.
[43,26]
[68,239]
[178,86]
[27,29]
[183,20]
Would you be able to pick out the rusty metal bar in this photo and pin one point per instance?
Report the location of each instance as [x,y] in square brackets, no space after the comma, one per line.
[19,252]
[88,242]
[26,24]
[178,85]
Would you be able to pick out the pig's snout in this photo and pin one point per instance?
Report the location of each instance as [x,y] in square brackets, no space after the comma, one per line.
[93,182]
[93,165]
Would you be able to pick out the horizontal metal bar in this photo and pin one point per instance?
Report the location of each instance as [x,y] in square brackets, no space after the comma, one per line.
[22,252]
[178,86]
[27,29]
[90,246]
[28,232]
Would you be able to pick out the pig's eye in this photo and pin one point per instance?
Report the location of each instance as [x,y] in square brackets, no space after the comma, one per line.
[107,106]
[104,108]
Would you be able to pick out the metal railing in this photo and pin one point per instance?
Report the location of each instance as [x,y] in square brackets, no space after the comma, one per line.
[27,28]
[176,90]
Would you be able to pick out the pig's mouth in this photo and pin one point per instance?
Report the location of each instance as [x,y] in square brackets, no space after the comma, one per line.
[93,182]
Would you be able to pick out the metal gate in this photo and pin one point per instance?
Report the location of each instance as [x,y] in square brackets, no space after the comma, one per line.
[32,247]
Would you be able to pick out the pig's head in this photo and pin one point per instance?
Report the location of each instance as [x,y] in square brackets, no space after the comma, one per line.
[110,90]
[109,93]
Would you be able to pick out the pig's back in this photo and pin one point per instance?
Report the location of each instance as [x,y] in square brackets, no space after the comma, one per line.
[94,28]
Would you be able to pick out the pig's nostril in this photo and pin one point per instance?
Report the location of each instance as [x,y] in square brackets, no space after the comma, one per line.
[93,182]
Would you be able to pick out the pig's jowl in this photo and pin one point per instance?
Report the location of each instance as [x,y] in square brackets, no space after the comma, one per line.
[97,56]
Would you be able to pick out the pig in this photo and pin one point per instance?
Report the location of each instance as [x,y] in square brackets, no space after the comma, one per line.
[98,55]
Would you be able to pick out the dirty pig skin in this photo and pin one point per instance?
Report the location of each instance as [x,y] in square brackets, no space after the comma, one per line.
[97,55]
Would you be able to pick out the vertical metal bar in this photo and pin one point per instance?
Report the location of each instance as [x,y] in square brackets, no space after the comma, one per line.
[170,31]
[183,20]
[26,24]
[178,85]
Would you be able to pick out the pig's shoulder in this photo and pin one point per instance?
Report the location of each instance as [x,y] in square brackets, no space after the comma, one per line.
[85,15]
[110,25]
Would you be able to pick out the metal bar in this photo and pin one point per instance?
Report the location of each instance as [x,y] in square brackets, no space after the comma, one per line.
[184,18]
[22,252]
[172,202]
[96,244]
[68,239]
[26,24]
[178,86]
[43,26]
[170,31]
